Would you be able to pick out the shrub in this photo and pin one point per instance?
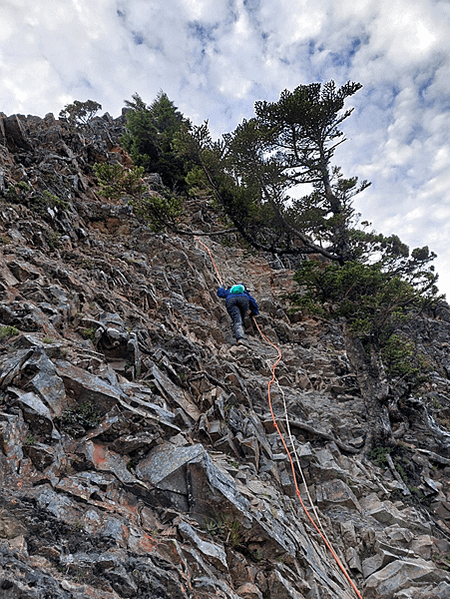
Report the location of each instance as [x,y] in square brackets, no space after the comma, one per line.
[8,331]
[150,132]
[76,420]
[401,360]
[159,210]
[116,181]
[375,303]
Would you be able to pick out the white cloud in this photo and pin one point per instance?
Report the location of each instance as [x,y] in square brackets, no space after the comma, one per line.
[215,58]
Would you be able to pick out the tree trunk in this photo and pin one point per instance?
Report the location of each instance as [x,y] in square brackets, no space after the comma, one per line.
[374,392]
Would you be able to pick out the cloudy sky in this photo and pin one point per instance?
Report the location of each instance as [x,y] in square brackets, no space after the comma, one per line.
[215,58]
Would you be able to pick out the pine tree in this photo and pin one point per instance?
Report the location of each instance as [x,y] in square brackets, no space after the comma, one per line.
[149,137]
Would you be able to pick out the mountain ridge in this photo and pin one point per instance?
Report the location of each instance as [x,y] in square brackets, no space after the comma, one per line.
[138,456]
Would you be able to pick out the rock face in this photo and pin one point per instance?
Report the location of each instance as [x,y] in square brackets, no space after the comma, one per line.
[138,454]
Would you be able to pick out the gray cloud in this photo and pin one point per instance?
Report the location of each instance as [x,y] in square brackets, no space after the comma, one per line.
[214,58]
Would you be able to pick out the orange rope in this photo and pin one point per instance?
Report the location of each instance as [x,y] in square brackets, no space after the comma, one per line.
[288,453]
[297,490]
[212,259]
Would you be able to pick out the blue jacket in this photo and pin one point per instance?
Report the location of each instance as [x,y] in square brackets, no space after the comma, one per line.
[225,294]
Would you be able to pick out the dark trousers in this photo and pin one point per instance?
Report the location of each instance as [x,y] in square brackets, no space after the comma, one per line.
[237,308]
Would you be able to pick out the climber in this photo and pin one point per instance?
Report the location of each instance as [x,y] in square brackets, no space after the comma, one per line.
[238,302]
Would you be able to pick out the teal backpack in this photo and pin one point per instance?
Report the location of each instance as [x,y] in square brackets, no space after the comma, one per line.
[237,289]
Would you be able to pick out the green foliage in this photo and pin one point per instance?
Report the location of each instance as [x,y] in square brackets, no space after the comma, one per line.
[149,138]
[76,420]
[17,193]
[401,360]
[8,331]
[227,528]
[116,181]
[373,298]
[210,177]
[53,239]
[79,114]
[88,333]
[288,143]
[50,199]
[158,210]
[378,455]
[38,200]
[376,300]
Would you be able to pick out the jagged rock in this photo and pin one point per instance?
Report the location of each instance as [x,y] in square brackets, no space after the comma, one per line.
[430,592]
[399,575]
[35,412]
[214,552]
[138,453]
[336,492]
[191,480]
[249,591]
[82,386]
[175,393]
[41,455]
[422,546]
[281,587]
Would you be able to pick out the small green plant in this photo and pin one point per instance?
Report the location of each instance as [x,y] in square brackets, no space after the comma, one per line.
[402,473]
[436,404]
[84,415]
[227,528]
[378,456]
[7,332]
[79,525]
[48,340]
[418,494]
[53,238]
[401,360]
[13,194]
[52,200]
[30,440]
[159,210]
[116,181]
[443,561]
[88,333]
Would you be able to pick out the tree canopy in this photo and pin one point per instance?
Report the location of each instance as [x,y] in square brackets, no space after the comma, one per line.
[255,173]
[79,113]
[150,131]
[289,143]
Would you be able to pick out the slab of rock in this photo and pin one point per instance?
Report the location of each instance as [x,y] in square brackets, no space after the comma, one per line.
[336,492]
[214,552]
[176,394]
[46,382]
[85,386]
[399,575]
[191,479]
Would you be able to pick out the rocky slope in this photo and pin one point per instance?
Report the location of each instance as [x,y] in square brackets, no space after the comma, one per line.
[138,454]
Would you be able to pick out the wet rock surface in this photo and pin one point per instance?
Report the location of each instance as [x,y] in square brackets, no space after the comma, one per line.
[138,454]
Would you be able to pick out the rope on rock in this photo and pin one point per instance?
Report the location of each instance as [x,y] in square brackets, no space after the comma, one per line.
[283,441]
[288,453]
[297,461]
[212,259]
